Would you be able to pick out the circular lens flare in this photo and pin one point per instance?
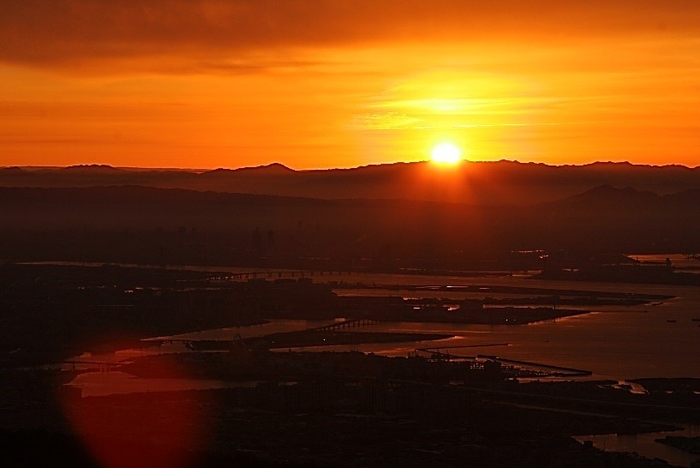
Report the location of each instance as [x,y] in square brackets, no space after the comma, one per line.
[446,153]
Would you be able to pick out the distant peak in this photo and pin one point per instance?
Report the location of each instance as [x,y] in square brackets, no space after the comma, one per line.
[279,166]
[91,168]
[611,163]
[12,169]
[273,168]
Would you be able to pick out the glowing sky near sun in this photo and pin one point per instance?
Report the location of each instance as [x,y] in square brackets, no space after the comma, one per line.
[331,83]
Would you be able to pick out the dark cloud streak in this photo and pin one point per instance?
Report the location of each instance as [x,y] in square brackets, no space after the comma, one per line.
[60,32]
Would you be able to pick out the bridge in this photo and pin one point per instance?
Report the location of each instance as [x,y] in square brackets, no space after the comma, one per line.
[102,366]
[346,325]
[270,274]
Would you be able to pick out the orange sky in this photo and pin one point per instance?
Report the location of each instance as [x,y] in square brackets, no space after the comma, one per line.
[338,83]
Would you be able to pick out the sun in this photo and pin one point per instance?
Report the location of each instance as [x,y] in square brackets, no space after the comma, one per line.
[446,153]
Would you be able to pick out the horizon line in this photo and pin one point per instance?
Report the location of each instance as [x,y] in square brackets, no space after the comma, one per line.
[282,165]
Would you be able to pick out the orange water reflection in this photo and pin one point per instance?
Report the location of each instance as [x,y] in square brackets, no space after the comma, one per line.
[135,433]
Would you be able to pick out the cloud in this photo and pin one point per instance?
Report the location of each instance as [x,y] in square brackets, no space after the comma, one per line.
[386,121]
[66,33]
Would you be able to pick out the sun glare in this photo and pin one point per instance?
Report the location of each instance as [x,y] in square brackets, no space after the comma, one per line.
[446,153]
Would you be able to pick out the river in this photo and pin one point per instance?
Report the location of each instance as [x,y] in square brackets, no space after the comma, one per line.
[613,342]
[618,343]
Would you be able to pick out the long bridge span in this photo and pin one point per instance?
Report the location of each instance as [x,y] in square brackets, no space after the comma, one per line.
[346,325]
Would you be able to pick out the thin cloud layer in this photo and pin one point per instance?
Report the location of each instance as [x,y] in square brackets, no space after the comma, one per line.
[50,33]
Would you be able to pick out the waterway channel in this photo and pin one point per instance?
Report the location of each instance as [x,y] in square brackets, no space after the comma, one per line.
[617,343]
[645,445]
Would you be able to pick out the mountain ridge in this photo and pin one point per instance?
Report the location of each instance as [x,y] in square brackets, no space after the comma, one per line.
[483,183]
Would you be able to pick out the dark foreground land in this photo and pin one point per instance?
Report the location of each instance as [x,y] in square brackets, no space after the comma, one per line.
[284,409]
[326,421]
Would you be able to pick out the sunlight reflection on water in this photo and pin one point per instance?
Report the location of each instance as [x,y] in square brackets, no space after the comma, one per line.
[618,343]
[645,445]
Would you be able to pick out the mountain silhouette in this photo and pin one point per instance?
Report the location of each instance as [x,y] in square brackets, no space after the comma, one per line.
[474,183]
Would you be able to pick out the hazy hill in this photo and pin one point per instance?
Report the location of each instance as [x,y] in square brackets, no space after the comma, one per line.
[145,224]
[474,183]
[606,197]
[406,214]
